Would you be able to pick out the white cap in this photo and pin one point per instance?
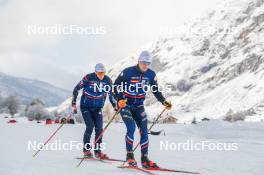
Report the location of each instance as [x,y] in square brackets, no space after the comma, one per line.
[145,56]
[100,68]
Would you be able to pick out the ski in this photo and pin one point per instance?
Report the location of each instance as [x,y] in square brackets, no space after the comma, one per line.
[171,170]
[108,159]
[93,159]
[114,160]
[136,168]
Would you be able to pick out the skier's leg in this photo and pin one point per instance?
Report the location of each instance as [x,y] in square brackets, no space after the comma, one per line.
[142,123]
[131,127]
[87,116]
[98,123]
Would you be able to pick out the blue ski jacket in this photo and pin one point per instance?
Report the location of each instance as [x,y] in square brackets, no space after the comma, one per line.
[94,91]
[132,85]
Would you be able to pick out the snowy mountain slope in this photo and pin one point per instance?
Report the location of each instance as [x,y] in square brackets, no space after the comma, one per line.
[214,64]
[27,90]
[248,159]
[63,107]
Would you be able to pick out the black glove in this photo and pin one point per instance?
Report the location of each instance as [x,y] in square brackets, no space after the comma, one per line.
[167,104]
[74,107]
[116,109]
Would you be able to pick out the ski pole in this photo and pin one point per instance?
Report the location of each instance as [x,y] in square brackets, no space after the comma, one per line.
[36,153]
[101,134]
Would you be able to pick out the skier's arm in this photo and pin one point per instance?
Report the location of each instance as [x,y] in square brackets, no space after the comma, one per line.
[119,82]
[156,90]
[111,95]
[77,88]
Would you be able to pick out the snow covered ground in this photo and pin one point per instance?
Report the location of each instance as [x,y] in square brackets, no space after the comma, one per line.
[15,158]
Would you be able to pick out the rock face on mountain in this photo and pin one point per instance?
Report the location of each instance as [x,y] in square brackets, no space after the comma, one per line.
[27,90]
[214,64]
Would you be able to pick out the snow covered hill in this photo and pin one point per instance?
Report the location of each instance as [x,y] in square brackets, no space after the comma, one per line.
[214,64]
[16,159]
[27,90]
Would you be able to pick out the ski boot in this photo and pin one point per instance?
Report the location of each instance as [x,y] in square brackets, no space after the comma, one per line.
[100,155]
[87,154]
[131,160]
[147,164]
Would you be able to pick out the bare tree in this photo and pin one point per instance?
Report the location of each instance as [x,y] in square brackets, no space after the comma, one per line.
[12,103]
[36,110]
[2,106]
[1,102]
[194,121]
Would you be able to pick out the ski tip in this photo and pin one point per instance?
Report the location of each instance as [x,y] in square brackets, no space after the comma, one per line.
[78,165]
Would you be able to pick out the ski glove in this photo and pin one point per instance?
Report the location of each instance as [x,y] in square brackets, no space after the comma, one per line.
[115,109]
[74,108]
[167,104]
[122,103]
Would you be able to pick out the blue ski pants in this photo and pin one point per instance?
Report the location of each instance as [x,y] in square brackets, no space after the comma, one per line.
[132,117]
[93,119]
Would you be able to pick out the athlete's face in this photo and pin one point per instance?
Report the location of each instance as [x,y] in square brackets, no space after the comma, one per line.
[100,75]
[143,66]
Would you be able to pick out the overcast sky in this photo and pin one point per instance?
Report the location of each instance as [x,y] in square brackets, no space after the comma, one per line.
[121,27]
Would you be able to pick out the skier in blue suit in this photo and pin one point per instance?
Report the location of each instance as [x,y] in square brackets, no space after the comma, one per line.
[92,102]
[134,82]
